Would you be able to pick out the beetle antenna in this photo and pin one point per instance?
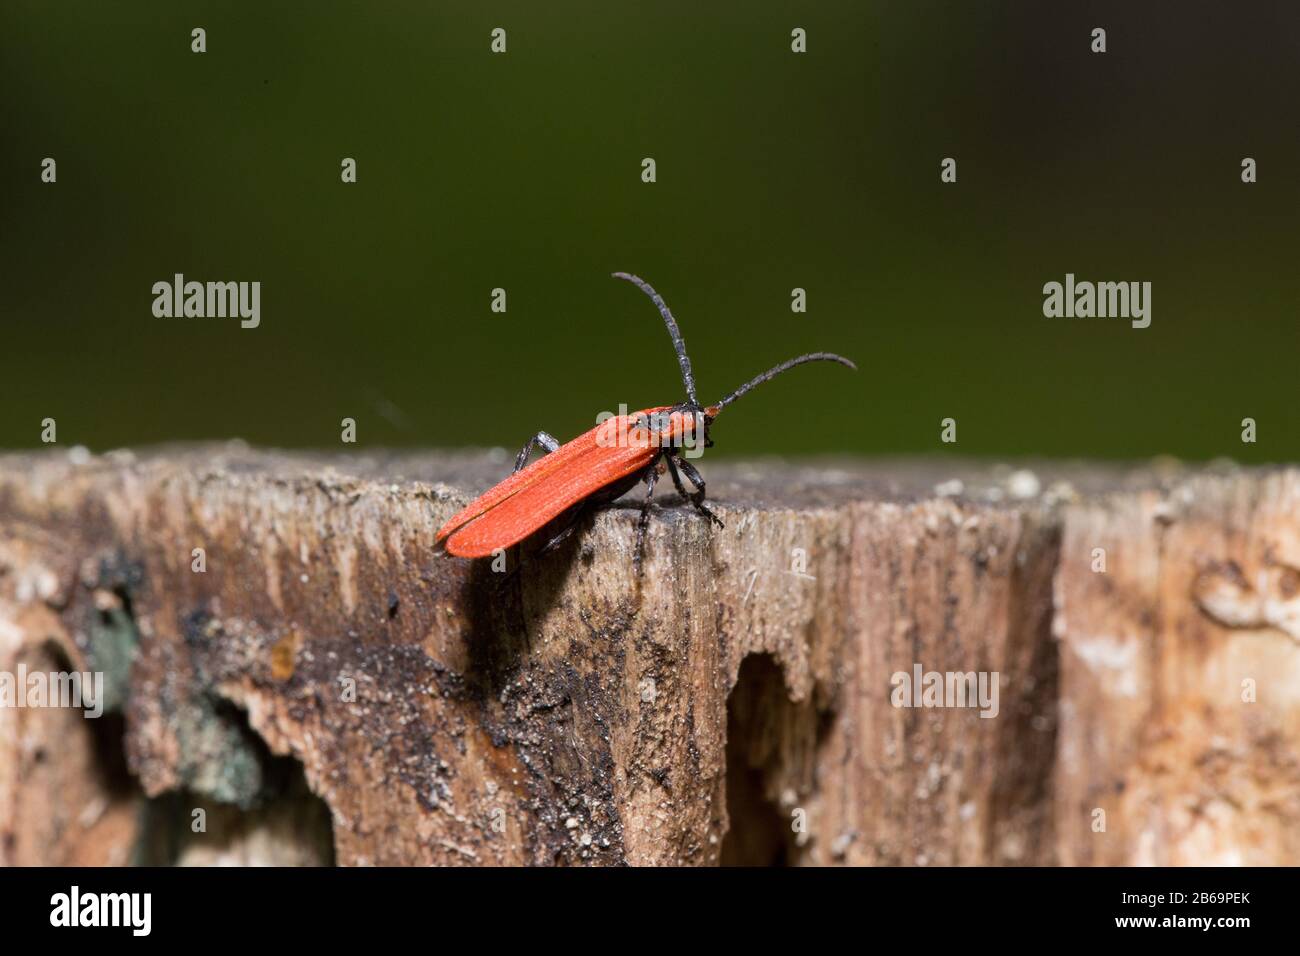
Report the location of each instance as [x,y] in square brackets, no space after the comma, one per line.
[785,367]
[688,379]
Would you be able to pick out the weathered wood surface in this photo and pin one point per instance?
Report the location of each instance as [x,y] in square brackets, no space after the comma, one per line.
[743,693]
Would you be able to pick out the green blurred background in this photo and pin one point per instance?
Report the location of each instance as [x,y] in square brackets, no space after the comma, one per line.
[775,170]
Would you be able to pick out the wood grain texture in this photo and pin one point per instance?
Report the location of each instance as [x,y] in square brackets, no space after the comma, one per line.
[1180,673]
[735,708]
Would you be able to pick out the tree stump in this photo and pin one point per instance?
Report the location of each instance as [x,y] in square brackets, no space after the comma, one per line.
[292,674]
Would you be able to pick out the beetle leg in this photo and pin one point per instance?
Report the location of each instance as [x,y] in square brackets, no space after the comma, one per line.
[677,478]
[697,499]
[541,439]
[564,533]
[652,476]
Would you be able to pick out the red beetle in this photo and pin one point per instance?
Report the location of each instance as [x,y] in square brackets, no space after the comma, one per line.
[600,465]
